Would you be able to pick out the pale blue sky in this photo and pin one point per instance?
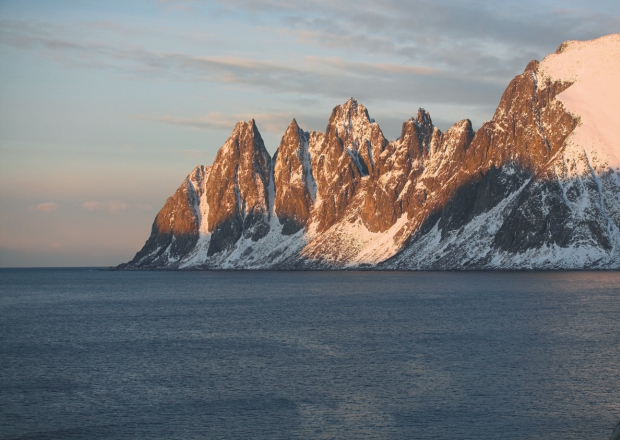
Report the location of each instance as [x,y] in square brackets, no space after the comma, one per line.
[105,107]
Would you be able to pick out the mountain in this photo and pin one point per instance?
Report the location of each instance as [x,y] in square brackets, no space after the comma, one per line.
[536,187]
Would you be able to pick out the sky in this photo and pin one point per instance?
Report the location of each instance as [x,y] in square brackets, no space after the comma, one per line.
[105,107]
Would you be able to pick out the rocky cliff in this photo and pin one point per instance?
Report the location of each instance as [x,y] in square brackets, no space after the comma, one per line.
[537,186]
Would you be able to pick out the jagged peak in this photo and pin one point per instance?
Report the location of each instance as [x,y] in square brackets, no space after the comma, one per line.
[351,103]
[463,124]
[293,125]
[243,125]
[532,66]
[424,117]
[293,131]
[352,119]
[352,110]
[199,169]
[245,137]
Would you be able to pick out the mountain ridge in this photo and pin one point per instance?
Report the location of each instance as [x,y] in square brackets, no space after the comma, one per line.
[535,187]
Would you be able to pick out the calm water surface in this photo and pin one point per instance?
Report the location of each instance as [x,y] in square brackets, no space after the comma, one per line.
[93,354]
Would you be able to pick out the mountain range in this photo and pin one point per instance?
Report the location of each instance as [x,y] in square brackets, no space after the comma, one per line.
[536,187]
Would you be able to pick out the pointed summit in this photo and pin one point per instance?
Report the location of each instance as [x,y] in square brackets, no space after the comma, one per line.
[352,112]
[293,125]
[357,133]
[417,134]
[424,117]
[352,105]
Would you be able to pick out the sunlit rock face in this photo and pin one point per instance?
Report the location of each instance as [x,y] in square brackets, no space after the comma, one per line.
[537,186]
[238,190]
[293,178]
[343,160]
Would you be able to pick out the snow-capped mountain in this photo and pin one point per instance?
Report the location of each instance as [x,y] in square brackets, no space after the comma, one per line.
[537,186]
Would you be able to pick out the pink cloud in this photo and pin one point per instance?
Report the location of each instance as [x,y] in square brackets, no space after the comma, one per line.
[115,206]
[47,207]
[92,206]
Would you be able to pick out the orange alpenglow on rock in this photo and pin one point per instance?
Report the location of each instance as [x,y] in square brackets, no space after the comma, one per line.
[537,186]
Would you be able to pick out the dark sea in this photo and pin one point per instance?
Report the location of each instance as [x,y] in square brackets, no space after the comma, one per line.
[302,355]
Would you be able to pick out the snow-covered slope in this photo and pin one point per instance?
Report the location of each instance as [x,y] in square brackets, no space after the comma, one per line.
[538,186]
[594,97]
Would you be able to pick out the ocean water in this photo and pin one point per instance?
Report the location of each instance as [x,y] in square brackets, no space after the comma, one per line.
[300,355]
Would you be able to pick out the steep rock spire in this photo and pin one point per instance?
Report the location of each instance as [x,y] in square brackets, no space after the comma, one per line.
[238,189]
[294,183]
[347,153]
[417,134]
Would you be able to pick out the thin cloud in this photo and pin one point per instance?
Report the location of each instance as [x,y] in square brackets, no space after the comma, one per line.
[196,154]
[278,122]
[92,206]
[47,207]
[403,22]
[111,206]
[267,122]
[331,78]
[116,206]
[473,36]
[214,120]
[422,53]
[178,5]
